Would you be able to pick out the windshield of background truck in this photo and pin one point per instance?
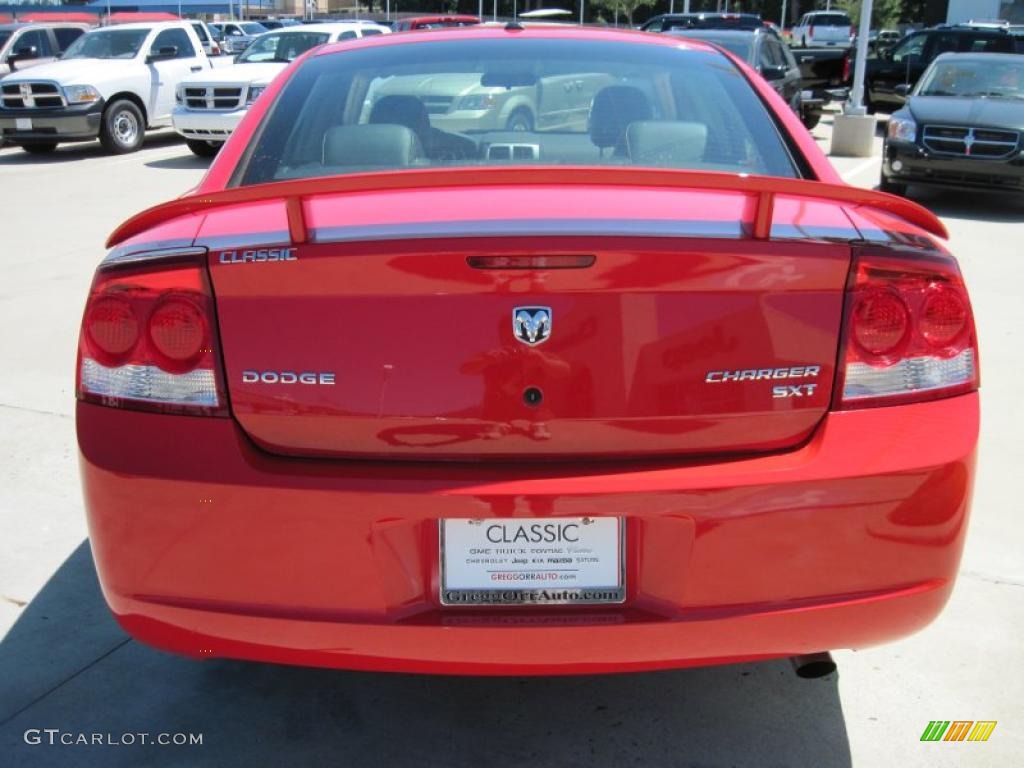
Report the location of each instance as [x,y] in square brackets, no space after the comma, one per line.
[975,79]
[108,44]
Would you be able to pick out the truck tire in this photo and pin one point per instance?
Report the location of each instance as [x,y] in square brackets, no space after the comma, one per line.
[122,128]
[810,119]
[39,147]
[520,120]
[202,148]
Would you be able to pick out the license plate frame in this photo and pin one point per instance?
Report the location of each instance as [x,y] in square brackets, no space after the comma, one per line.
[610,565]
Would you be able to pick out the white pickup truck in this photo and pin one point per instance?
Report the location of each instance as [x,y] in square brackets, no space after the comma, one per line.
[210,105]
[112,83]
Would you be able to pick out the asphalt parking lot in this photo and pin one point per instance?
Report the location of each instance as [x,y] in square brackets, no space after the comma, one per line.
[64,664]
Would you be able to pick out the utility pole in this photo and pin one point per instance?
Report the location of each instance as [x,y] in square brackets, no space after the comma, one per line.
[855,106]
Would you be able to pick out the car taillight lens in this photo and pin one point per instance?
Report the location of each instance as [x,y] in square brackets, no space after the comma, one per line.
[846,68]
[149,337]
[909,332]
[810,30]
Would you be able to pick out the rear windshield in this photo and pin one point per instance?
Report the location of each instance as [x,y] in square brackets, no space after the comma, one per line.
[830,20]
[500,102]
[107,44]
[281,46]
[252,28]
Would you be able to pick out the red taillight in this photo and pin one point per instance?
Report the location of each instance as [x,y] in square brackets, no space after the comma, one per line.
[879,323]
[846,68]
[853,31]
[810,30]
[177,331]
[909,333]
[149,337]
[111,327]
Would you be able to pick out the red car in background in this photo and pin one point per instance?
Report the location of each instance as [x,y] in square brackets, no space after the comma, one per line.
[434,22]
[646,386]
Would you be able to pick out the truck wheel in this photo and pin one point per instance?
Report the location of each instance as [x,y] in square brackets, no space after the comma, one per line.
[810,119]
[39,147]
[123,128]
[520,120]
[203,148]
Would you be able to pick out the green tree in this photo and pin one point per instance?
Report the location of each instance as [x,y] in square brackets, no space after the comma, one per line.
[884,13]
[626,7]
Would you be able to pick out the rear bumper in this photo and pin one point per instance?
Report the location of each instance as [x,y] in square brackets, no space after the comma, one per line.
[206,546]
[65,124]
[919,166]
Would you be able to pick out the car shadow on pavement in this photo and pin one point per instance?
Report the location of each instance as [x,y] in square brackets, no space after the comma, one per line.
[977,206]
[176,163]
[65,665]
[67,152]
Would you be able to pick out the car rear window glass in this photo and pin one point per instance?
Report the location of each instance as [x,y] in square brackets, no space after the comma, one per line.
[496,102]
[830,20]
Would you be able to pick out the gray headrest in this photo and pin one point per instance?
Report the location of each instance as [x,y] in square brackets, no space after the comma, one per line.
[385,146]
[614,108]
[666,142]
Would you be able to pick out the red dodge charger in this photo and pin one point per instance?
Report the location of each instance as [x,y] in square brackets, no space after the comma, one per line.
[525,351]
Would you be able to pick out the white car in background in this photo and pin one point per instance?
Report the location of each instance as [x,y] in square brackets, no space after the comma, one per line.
[236,36]
[210,105]
[825,28]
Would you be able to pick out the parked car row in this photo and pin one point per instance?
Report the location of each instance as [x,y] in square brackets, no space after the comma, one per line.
[806,79]
[211,103]
[112,83]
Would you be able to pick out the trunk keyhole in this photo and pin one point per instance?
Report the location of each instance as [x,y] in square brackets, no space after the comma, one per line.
[532,396]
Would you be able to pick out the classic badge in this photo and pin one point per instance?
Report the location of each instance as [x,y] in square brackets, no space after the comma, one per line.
[531,325]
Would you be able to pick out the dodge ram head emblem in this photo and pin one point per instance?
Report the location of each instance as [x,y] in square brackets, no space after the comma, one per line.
[531,325]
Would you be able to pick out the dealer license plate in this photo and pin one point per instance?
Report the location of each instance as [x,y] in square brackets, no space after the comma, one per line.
[532,561]
[23,123]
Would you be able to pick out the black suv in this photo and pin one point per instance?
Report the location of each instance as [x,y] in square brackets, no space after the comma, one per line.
[664,22]
[895,72]
[764,51]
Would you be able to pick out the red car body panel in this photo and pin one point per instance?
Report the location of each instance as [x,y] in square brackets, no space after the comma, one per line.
[206,545]
[754,527]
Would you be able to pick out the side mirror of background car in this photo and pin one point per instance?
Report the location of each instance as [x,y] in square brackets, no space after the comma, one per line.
[776,72]
[24,53]
[163,53]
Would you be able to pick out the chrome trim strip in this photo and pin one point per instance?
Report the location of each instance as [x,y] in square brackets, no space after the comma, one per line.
[250,240]
[157,250]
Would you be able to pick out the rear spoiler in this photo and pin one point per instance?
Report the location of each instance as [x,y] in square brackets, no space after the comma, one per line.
[762,188]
